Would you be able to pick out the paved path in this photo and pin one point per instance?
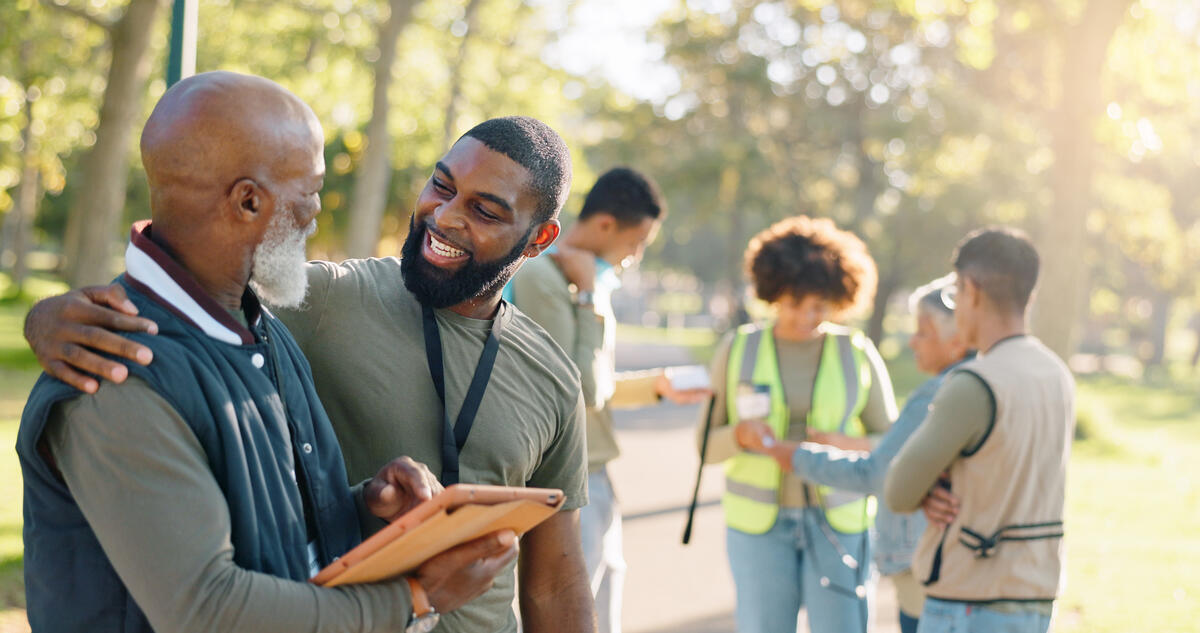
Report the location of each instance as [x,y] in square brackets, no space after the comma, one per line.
[672,588]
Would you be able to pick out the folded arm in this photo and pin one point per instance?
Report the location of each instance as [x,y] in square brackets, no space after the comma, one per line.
[958,419]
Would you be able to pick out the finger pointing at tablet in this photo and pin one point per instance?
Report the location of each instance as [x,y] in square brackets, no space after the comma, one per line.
[398,487]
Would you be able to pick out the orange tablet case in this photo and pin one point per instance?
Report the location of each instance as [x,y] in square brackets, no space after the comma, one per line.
[458,514]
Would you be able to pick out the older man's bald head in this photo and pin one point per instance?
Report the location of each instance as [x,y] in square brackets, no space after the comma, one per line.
[235,165]
[213,129]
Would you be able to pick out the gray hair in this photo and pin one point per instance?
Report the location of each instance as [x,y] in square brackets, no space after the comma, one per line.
[936,299]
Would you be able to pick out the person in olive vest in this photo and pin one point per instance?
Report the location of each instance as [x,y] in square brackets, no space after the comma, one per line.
[204,490]
[791,543]
[998,436]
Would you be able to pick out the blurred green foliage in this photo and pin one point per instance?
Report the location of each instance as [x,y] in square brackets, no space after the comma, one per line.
[909,122]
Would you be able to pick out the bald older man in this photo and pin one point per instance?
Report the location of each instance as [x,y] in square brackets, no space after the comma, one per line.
[203,491]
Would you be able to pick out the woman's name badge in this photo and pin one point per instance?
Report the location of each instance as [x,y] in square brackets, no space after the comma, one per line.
[753,402]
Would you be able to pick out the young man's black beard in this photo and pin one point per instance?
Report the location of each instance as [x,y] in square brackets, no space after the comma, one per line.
[437,289]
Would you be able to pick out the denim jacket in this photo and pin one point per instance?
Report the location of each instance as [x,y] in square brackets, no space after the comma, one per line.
[896,534]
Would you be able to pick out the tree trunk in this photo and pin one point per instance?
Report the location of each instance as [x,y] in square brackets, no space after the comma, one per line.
[18,226]
[1196,351]
[1084,50]
[92,223]
[19,221]
[869,186]
[370,194]
[456,71]
[883,294]
[1160,318]
[727,192]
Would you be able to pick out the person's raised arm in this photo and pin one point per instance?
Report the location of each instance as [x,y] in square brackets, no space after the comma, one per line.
[540,293]
[69,332]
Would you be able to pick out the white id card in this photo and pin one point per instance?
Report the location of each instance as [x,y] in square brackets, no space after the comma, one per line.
[753,402]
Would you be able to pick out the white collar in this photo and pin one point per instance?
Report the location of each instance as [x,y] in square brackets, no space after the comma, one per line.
[152,271]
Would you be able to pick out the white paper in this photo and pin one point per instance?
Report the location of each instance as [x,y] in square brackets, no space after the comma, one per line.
[688,377]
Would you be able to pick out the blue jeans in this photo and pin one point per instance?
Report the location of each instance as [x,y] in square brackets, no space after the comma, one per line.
[795,565]
[940,616]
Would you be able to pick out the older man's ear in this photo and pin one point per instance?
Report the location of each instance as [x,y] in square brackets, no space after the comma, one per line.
[247,200]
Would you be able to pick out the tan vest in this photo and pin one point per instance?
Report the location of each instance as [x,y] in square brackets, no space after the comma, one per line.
[1006,543]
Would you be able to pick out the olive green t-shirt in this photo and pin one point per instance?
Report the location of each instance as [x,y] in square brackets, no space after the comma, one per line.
[361,331]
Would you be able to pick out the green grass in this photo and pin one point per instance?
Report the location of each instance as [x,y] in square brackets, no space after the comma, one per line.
[18,371]
[1133,513]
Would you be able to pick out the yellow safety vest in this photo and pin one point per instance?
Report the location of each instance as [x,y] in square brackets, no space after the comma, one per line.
[843,383]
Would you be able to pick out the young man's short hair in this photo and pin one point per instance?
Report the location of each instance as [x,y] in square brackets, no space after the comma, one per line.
[1002,262]
[536,147]
[625,194]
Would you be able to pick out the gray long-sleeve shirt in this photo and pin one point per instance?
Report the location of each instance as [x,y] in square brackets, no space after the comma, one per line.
[143,482]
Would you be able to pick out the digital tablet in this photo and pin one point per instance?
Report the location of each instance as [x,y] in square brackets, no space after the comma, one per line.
[460,513]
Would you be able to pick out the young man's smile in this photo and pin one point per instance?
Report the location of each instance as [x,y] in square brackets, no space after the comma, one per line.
[441,251]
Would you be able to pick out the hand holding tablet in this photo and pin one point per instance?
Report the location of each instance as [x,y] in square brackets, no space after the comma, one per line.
[458,514]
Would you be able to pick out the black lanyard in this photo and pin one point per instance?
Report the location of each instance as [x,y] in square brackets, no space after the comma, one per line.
[455,437]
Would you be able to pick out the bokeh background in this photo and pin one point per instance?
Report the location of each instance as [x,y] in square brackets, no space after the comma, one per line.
[909,122]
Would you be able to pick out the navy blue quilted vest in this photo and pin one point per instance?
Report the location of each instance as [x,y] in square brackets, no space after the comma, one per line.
[255,411]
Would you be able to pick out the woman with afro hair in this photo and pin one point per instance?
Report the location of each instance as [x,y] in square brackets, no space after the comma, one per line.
[800,377]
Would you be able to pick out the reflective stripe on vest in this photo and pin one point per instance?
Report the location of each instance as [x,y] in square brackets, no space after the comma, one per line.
[752,481]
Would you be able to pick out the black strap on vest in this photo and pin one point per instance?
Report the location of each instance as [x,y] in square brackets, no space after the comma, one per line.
[455,437]
[985,546]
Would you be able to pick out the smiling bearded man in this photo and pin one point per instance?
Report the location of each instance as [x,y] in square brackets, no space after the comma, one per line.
[375,330]
[440,289]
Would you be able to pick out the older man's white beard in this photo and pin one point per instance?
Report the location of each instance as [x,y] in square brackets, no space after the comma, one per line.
[278,277]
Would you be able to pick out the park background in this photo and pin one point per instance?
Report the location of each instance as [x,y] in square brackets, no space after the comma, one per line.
[909,122]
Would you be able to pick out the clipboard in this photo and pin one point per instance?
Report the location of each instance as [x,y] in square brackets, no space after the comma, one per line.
[458,514]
